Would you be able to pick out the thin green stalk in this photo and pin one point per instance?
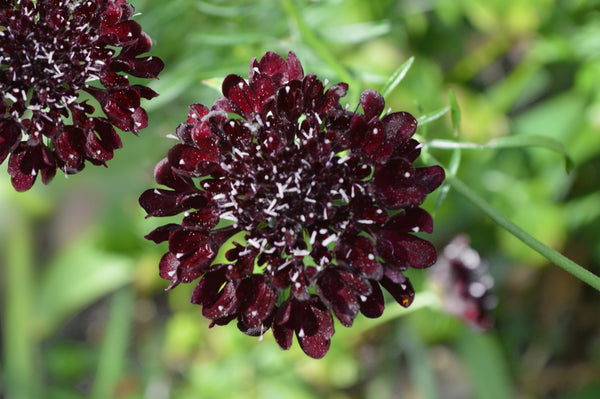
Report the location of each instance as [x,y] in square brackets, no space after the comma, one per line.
[317,44]
[21,378]
[113,351]
[553,256]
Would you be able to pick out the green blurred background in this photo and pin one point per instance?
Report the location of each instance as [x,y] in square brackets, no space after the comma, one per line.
[83,310]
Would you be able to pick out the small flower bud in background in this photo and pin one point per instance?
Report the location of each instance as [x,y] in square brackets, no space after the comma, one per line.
[464,283]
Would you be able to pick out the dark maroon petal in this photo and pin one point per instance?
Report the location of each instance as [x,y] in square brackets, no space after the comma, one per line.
[372,103]
[118,106]
[168,269]
[430,177]
[225,304]
[108,138]
[162,233]
[10,136]
[237,90]
[68,146]
[332,96]
[275,67]
[196,112]
[295,71]
[316,345]
[283,334]
[264,89]
[395,187]
[360,253]
[355,282]
[375,145]
[22,175]
[372,305]
[257,300]
[399,126]
[159,202]
[405,250]
[338,296]
[403,293]
[203,219]
[164,174]
[183,242]
[145,67]
[190,159]
[411,220]
[122,34]
[208,288]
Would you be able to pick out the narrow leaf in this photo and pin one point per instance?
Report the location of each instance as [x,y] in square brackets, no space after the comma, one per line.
[77,278]
[518,141]
[427,118]
[482,357]
[455,113]
[397,77]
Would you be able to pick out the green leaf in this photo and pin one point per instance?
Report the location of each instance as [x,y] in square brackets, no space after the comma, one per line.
[435,115]
[488,370]
[397,77]
[113,351]
[357,33]
[455,113]
[77,278]
[230,39]
[224,11]
[214,83]
[518,141]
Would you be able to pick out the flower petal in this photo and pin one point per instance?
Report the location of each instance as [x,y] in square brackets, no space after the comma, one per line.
[372,305]
[403,293]
[372,103]
[337,295]
[405,250]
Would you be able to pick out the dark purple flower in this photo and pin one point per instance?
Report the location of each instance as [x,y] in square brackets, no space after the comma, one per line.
[324,203]
[464,282]
[51,51]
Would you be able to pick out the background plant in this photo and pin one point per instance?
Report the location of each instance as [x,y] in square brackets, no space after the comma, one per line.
[83,311]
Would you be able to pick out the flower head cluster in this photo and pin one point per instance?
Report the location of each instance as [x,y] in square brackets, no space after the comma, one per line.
[465,283]
[50,52]
[318,204]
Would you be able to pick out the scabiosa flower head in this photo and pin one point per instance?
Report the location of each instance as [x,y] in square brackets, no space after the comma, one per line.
[50,52]
[322,202]
[464,282]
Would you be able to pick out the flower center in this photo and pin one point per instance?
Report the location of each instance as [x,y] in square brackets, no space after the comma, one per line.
[48,58]
[292,194]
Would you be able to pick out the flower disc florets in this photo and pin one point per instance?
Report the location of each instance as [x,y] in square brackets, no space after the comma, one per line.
[51,51]
[323,201]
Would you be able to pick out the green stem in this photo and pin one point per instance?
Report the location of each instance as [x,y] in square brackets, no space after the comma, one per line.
[21,378]
[550,254]
[317,44]
[114,346]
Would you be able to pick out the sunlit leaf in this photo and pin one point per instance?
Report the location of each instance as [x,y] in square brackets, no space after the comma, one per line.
[455,113]
[357,33]
[482,356]
[75,279]
[397,77]
[433,116]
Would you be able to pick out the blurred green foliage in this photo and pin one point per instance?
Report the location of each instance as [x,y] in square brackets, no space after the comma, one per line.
[83,309]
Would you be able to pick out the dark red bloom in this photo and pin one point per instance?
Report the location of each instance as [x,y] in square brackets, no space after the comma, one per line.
[465,283]
[323,202]
[51,51]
